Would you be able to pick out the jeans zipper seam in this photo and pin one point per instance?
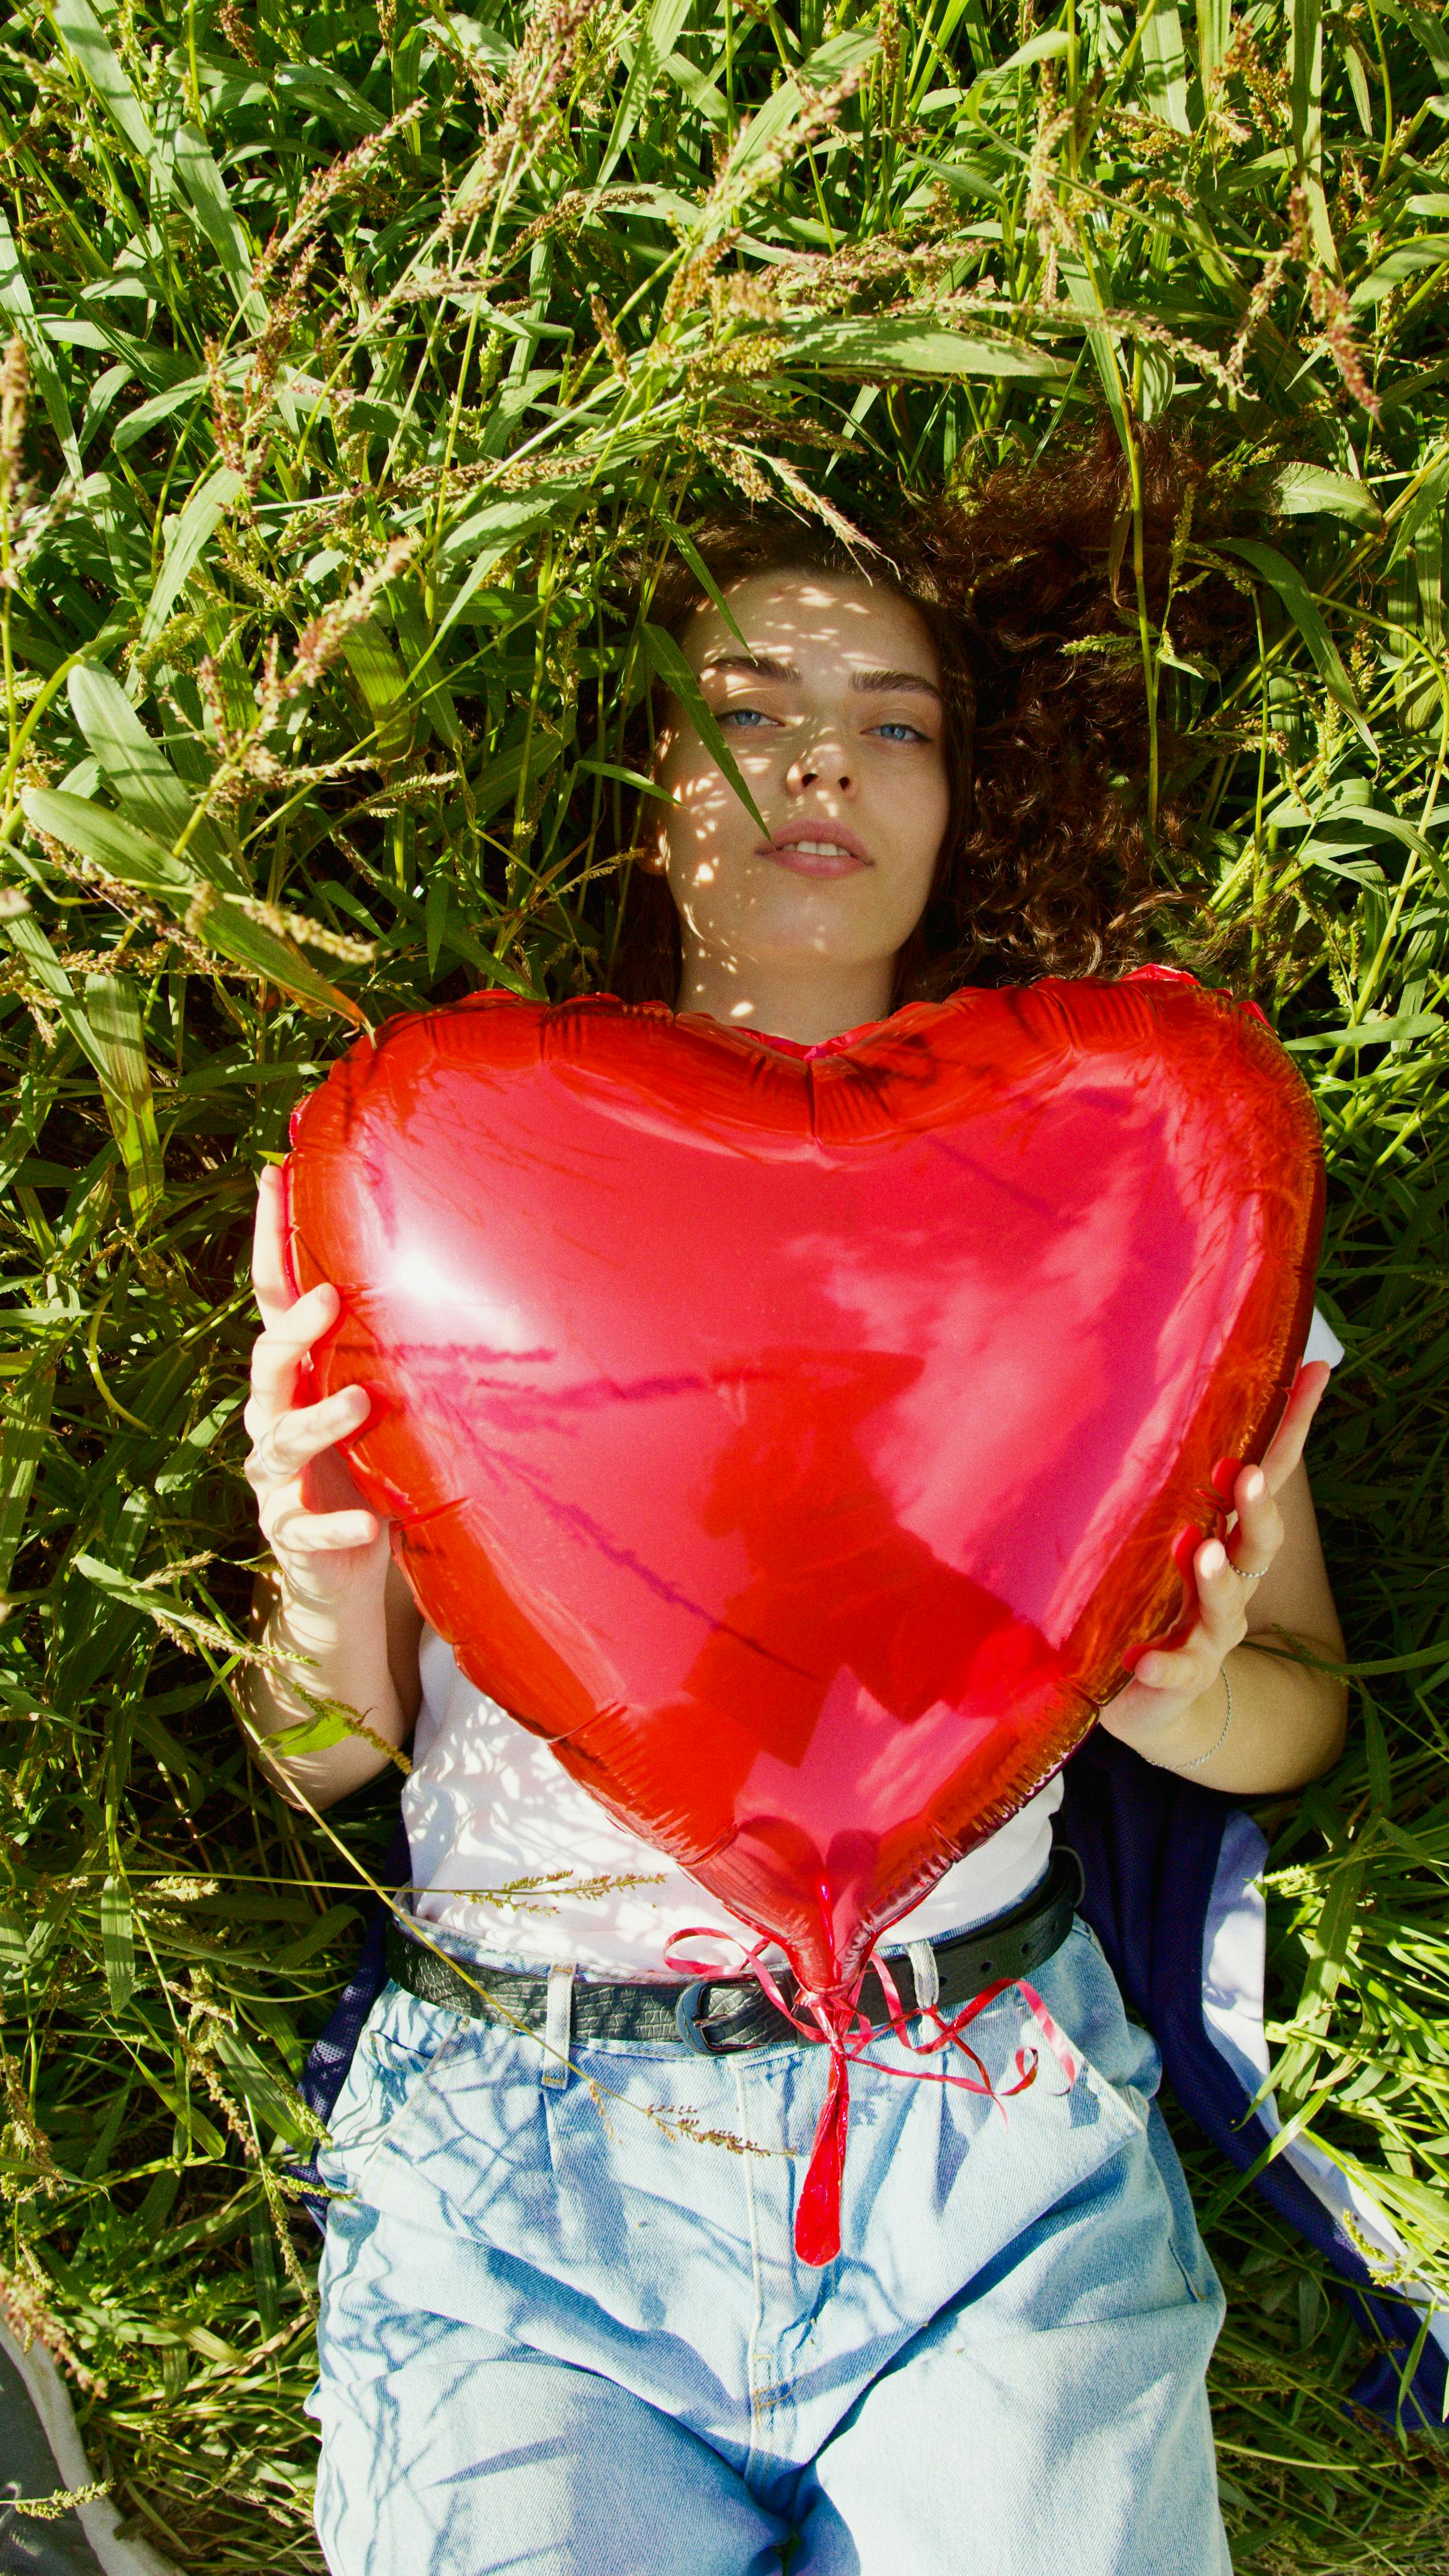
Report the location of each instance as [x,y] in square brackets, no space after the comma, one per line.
[759,2378]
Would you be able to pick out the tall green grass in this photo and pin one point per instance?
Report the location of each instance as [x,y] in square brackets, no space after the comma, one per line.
[350,351]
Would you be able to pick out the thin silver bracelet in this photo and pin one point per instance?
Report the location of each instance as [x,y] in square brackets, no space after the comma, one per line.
[1222,1739]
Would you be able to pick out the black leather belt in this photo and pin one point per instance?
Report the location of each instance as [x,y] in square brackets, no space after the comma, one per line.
[713,2016]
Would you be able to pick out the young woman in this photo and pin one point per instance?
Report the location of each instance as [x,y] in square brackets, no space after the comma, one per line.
[556,2335]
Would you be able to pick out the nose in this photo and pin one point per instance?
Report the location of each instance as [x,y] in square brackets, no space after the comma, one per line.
[824,763]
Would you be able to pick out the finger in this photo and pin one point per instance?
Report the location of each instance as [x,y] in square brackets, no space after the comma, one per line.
[303,1533]
[270,1284]
[1286,1446]
[278,1352]
[1221,1624]
[1180,1670]
[1259,1534]
[300,1435]
[1221,1600]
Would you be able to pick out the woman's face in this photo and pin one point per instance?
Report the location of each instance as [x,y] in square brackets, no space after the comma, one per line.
[832,708]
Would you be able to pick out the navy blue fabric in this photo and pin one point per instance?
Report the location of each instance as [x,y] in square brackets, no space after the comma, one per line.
[1149,1844]
[332,2051]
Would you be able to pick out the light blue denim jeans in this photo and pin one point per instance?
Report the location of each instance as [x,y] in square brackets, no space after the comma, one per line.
[564,2332]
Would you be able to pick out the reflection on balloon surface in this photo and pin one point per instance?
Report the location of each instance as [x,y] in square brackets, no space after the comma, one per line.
[798,1438]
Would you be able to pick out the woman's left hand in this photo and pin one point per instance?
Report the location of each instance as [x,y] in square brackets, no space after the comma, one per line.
[1151,1711]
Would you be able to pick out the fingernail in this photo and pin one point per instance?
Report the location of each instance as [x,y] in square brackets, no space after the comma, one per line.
[1213,1558]
[1253,1484]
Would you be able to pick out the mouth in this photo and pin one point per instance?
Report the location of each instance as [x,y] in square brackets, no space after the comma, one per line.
[817,850]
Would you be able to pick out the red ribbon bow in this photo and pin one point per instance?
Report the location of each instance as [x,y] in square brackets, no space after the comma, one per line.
[836,2018]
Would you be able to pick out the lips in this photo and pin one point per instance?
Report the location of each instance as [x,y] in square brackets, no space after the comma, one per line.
[829,850]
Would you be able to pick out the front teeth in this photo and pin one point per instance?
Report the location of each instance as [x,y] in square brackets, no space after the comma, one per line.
[820,849]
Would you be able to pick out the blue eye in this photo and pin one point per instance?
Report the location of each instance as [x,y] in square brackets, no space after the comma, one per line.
[900,732]
[751,716]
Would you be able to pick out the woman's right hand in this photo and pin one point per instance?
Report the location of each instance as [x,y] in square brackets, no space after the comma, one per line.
[329,1547]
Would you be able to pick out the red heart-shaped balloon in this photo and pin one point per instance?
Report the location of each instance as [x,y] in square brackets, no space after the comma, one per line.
[799,1439]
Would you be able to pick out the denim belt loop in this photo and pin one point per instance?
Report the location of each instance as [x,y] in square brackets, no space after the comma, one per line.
[558,2025]
[925,1968]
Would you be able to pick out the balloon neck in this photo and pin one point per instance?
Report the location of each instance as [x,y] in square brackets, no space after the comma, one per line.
[817,2219]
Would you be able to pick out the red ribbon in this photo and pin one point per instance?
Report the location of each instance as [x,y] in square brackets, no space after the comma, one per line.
[840,2023]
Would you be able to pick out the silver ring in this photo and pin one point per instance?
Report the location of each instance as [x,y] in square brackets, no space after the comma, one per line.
[1245,1578]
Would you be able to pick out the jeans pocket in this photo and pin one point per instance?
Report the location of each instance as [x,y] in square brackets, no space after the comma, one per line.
[400,2049]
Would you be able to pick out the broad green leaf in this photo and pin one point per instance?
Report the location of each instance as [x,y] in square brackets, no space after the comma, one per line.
[1416,597]
[1375,1031]
[148,359]
[91,47]
[1406,261]
[29,940]
[188,1458]
[483,43]
[195,2131]
[125,850]
[15,299]
[265,952]
[156,408]
[1045,48]
[661,26]
[1214,25]
[313,1734]
[492,532]
[141,774]
[1302,490]
[266,2093]
[329,1722]
[771,123]
[112,841]
[501,523]
[118,1942]
[898,345]
[686,546]
[114,1012]
[1305,84]
[1082,290]
[146,1597]
[669,665]
[523,755]
[187,542]
[1164,69]
[699,89]
[384,685]
[24,1422]
[1354,65]
[109,383]
[318,85]
[1425,505]
[435,917]
[1367,823]
[30,1104]
[425,669]
[970,15]
[218,219]
[1286,579]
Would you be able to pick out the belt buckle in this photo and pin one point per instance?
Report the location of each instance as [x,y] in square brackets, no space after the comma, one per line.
[688,2023]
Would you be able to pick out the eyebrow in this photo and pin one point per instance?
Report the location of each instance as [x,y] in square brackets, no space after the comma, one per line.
[878,680]
[755,666]
[759,666]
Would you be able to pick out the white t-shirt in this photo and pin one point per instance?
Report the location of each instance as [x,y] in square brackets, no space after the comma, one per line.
[514,1862]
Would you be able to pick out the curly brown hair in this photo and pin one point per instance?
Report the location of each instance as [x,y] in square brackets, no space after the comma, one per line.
[1028,590]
